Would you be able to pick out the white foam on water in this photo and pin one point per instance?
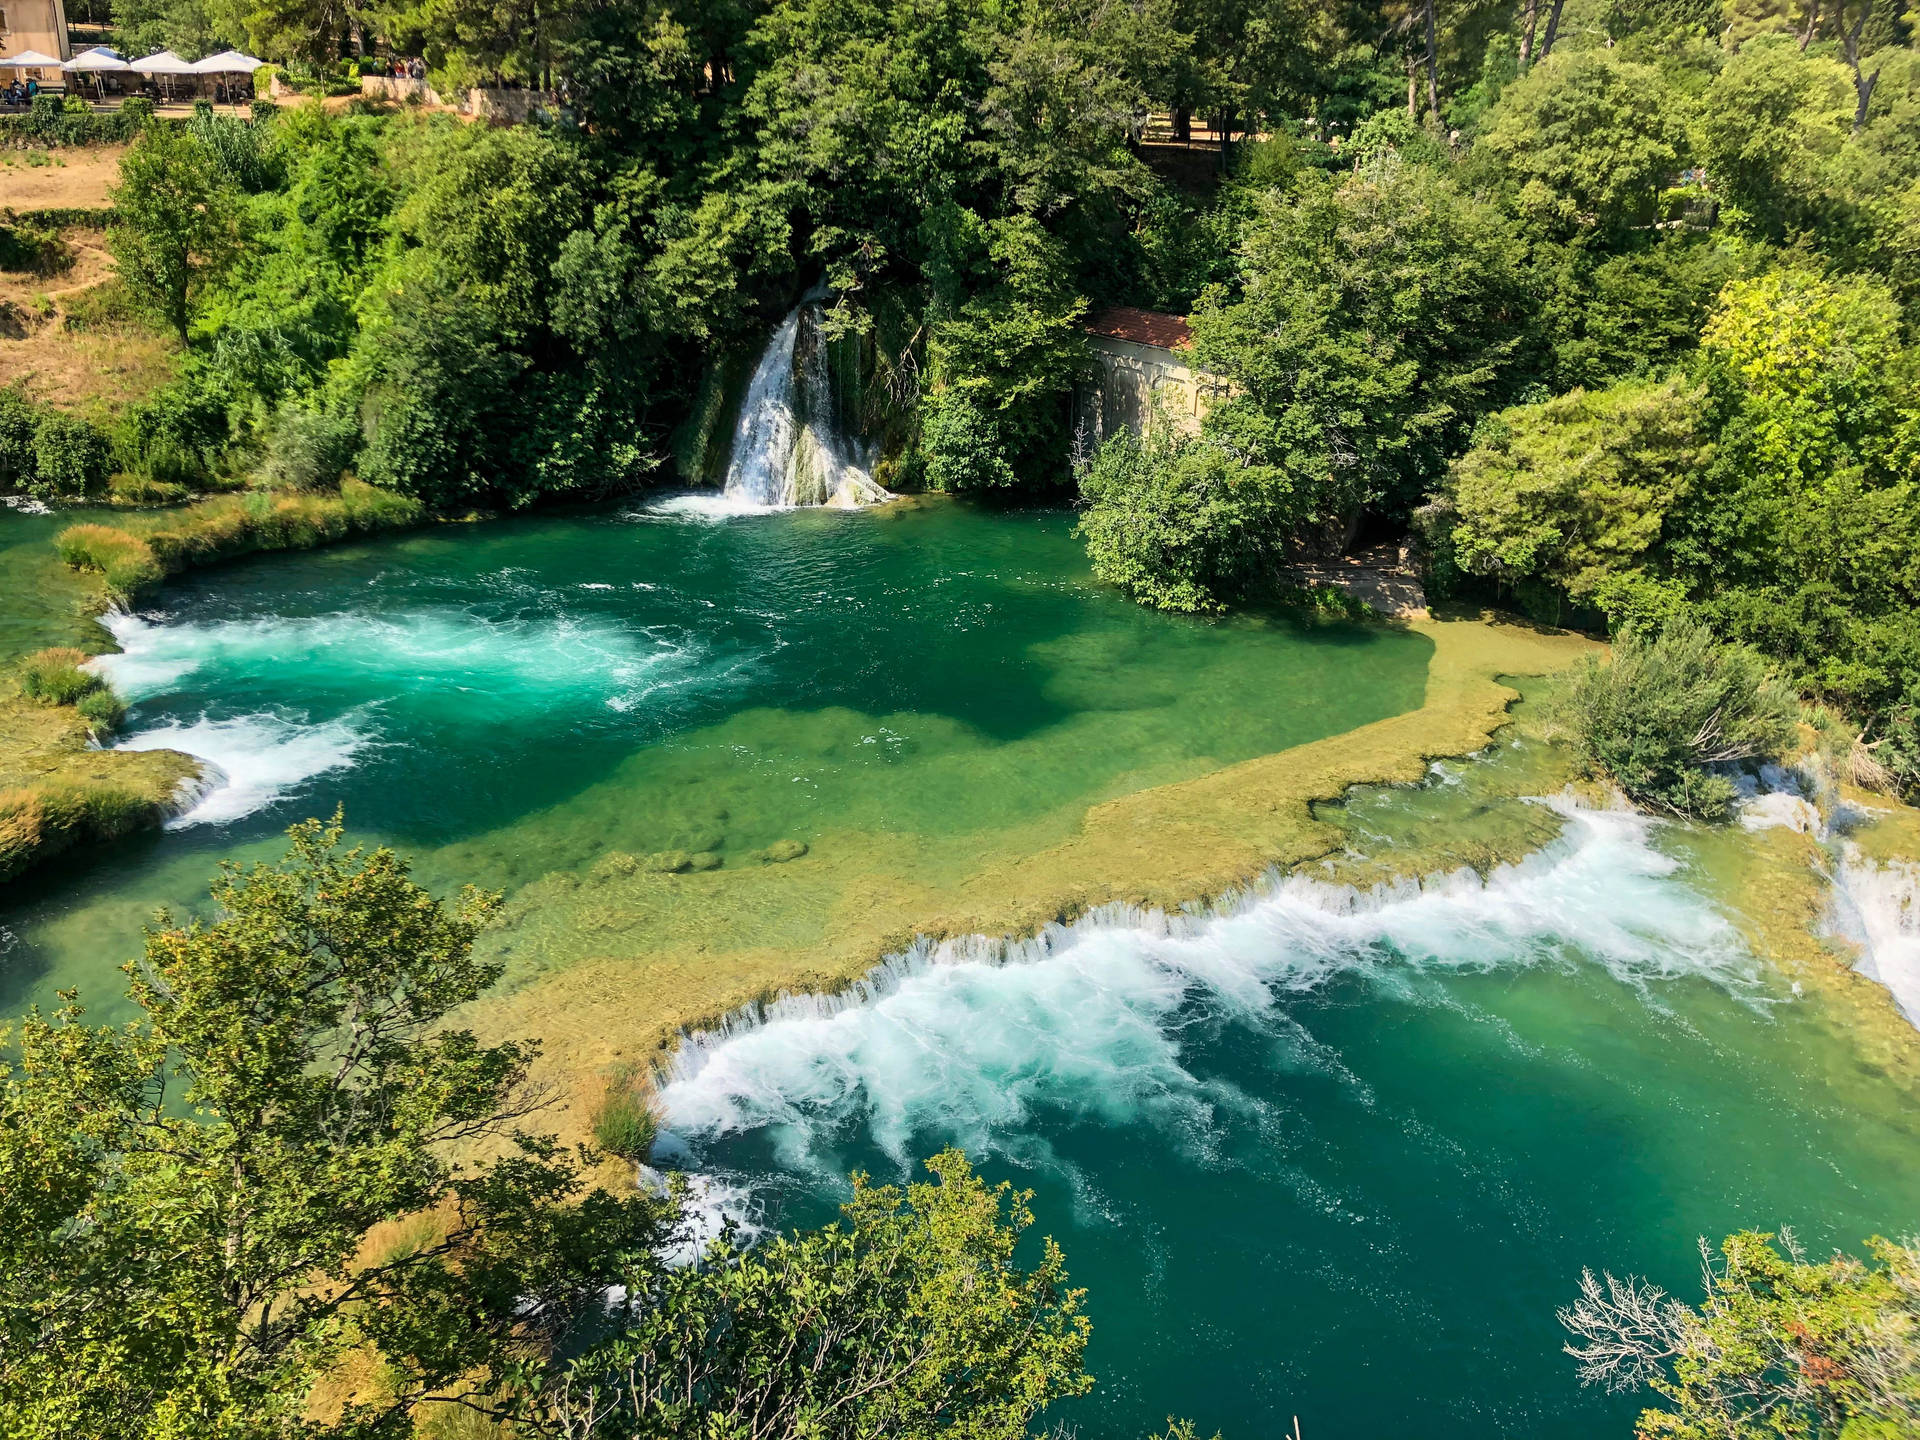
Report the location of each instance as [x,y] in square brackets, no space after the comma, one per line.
[251,761]
[1877,906]
[531,658]
[710,1205]
[711,505]
[969,1039]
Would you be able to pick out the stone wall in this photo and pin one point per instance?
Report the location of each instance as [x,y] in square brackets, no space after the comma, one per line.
[506,107]
[388,87]
[1132,377]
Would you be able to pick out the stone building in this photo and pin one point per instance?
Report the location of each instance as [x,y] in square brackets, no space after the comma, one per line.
[34,25]
[1145,362]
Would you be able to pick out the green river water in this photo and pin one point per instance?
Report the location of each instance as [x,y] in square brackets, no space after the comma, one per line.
[1322,1154]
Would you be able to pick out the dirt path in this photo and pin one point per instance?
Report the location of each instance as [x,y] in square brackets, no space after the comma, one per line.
[71,178]
[98,368]
[1381,576]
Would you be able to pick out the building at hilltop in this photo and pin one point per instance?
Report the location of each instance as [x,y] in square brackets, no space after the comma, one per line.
[34,25]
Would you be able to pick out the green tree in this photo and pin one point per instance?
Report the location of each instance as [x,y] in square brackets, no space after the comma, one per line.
[186,1200]
[442,402]
[1780,1348]
[1816,368]
[1772,126]
[1587,141]
[1179,523]
[491,208]
[186,1197]
[1379,320]
[179,222]
[1665,708]
[1575,489]
[907,1319]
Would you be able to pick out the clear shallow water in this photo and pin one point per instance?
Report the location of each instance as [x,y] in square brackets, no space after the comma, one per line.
[1336,1155]
[513,700]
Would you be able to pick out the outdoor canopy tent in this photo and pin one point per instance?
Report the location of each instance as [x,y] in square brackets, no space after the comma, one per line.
[96,62]
[98,58]
[163,63]
[227,62]
[30,60]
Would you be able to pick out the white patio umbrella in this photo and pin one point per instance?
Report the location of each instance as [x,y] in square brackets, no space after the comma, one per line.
[96,62]
[98,58]
[164,62]
[30,60]
[227,62]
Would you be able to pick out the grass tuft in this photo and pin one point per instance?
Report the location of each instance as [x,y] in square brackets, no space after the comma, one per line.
[127,561]
[57,677]
[624,1123]
[225,526]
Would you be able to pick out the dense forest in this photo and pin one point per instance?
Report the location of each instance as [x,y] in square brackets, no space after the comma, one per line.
[1608,304]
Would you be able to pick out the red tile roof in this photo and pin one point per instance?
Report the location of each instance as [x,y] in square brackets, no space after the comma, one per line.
[1143,327]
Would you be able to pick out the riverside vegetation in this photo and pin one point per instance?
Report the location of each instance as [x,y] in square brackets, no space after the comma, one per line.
[1608,303]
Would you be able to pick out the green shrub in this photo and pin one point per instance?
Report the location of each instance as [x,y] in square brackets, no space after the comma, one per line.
[55,677]
[180,434]
[101,308]
[1178,523]
[72,457]
[19,423]
[102,710]
[48,453]
[624,1124]
[243,150]
[1898,749]
[29,249]
[308,449]
[127,561]
[965,450]
[1669,707]
[54,121]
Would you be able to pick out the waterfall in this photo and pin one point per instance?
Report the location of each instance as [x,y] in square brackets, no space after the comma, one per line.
[1877,906]
[789,447]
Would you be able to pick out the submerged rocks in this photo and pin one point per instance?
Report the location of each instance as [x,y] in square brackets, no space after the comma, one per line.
[614,865]
[679,862]
[780,852]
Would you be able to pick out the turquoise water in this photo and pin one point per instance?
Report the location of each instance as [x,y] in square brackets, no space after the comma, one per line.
[1341,1156]
[1329,1155]
[510,701]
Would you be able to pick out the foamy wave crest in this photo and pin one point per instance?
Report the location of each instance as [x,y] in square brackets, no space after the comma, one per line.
[969,1038]
[497,660]
[706,505]
[1878,908]
[251,761]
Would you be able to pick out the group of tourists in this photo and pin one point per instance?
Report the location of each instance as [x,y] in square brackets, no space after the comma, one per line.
[400,68]
[17,94]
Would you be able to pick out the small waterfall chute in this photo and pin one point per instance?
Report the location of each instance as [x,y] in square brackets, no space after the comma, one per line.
[789,446]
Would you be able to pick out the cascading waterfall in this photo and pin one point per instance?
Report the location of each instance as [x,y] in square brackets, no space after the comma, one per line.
[972,1036]
[788,447]
[1877,906]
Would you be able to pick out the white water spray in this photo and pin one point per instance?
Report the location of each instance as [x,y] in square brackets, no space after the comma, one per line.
[1877,906]
[788,447]
[251,761]
[970,1039]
